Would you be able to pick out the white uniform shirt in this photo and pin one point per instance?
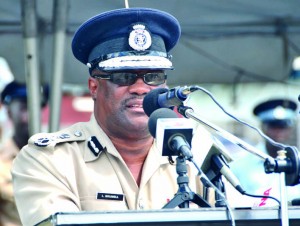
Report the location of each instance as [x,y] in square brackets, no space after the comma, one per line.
[79,169]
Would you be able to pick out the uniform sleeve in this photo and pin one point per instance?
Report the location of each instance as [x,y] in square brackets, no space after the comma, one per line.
[44,183]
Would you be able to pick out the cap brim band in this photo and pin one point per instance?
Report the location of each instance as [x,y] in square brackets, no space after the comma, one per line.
[277,114]
[135,62]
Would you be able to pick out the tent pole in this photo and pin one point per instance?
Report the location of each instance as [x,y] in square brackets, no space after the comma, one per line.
[29,24]
[59,37]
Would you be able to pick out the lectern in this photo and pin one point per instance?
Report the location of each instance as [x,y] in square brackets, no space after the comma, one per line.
[176,217]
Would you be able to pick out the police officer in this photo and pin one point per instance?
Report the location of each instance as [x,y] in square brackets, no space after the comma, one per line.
[14,98]
[110,162]
[277,117]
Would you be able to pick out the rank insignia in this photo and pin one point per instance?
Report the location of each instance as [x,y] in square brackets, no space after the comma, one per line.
[64,136]
[95,146]
[78,133]
[42,142]
[139,38]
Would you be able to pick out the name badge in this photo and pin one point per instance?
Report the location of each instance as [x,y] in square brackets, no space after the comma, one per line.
[109,196]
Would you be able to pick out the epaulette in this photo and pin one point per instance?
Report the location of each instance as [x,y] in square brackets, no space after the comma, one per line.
[50,140]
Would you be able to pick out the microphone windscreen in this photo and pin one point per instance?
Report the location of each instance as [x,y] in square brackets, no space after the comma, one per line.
[159,113]
[150,102]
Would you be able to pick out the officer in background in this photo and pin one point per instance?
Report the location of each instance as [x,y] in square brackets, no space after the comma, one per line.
[14,98]
[278,118]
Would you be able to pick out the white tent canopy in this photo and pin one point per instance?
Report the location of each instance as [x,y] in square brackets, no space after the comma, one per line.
[229,42]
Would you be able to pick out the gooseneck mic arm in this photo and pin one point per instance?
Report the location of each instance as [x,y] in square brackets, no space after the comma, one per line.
[290,164]
[189,113]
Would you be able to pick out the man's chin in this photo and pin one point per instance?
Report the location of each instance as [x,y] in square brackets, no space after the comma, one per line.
[140,122]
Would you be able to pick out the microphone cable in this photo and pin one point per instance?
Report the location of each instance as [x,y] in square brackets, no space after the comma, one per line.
[206,182]
[263,197]
[277,144]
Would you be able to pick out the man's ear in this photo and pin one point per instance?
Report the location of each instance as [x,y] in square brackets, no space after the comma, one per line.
[93,86]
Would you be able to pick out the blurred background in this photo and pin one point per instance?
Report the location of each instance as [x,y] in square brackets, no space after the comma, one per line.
[243,52]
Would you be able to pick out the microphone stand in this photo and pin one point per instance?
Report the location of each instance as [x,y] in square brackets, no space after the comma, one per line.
[280,165]
[220,185]
[215,176]
[184,194]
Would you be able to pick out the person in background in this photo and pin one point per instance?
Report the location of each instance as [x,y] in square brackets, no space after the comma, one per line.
[111,162]
[278,119]
[14,99]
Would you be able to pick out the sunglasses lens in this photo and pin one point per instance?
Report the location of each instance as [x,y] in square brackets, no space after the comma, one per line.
[123,79]
[155,79]
[127,79]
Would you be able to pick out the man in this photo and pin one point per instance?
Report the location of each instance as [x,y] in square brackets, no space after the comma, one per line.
[277,117]
[110,162]
[14,98]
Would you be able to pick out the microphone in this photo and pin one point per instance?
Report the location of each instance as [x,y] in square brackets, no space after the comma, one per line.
[150,102]
[215,162]
[220,166]
[173,134]
[164,98]
[179,144]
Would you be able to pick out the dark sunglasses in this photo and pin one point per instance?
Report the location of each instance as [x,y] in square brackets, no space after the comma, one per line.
[129,78]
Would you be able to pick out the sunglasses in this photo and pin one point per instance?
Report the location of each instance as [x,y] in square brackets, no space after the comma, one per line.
[128,78]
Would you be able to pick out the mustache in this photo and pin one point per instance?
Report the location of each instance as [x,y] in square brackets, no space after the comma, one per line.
[133,97]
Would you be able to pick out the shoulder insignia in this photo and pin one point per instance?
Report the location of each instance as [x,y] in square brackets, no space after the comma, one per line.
[42,142]
[94,145]
[64,136]
[42,139]
[51,139]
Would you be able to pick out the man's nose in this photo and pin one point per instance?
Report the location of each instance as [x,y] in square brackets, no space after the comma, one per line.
[139,87]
